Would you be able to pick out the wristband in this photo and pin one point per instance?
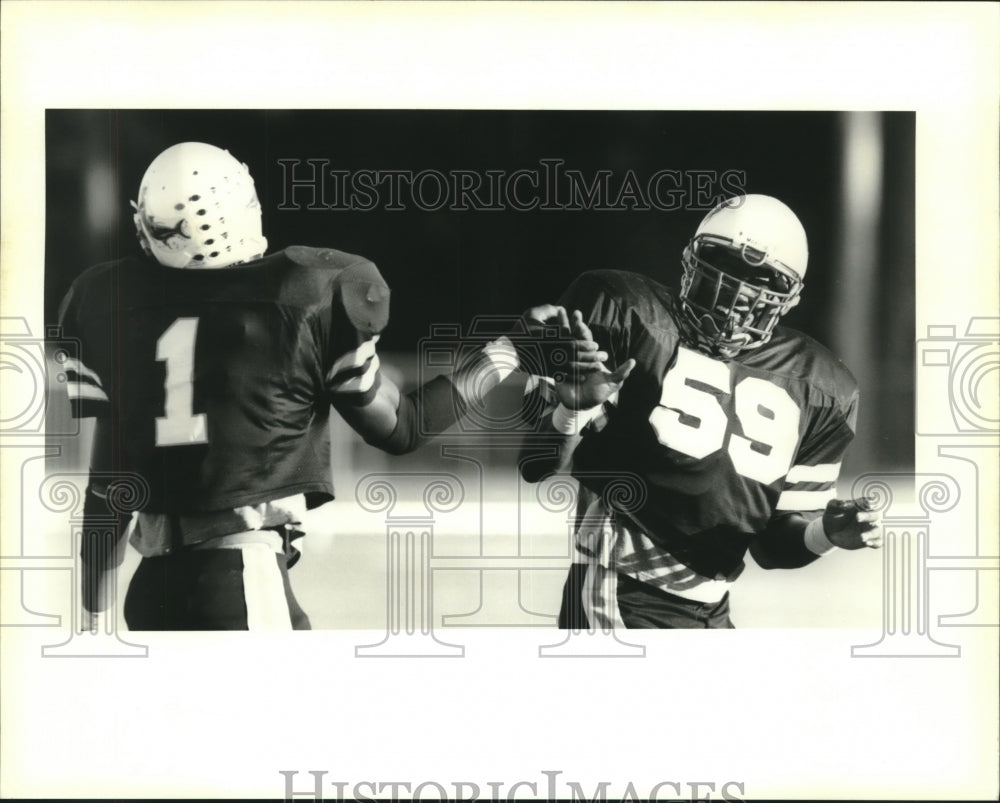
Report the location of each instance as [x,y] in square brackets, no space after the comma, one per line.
[502,354]
[815,538]
[572,422]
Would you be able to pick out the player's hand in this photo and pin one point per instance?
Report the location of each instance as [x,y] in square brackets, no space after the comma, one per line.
[96,590]
[89,621]
[547,313]
[852,524]
[565,351]
[590,383]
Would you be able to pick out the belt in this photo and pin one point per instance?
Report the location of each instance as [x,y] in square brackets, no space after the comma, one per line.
[268,538]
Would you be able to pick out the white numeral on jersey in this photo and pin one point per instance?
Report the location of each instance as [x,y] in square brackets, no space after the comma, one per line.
[770,417]
[701,437]
[692,421]
[176,348]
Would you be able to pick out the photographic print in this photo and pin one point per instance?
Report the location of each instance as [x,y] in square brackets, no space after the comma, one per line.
[460,399]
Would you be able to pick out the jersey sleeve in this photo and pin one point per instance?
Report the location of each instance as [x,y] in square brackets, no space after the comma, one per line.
[88,391]
[590,294]
[812,480]
[359,313]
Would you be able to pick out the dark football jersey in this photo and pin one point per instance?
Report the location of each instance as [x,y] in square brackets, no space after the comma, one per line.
[216,384]
[719,445]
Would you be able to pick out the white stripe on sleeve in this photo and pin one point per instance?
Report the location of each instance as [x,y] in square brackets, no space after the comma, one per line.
[805,500]
[358,384]
[73,364]
[84,390]
[824,472]
[353,359]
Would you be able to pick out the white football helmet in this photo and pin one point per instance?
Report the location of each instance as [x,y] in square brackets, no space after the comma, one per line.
[198,208]
[743,270]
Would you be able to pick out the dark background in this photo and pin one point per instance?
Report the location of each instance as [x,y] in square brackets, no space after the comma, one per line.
[448,266]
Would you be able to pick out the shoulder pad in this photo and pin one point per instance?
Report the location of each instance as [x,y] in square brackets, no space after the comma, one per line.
[364,292]
[102,281]
[366,297]
[819,365]
[627,288]
[320,257]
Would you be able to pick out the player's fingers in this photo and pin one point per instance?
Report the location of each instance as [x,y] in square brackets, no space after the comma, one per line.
[590,358]
[545,312]
[563,317]
[874,541]
[580,370]
[580,328]
[869,521]
[88,621]
[621,374]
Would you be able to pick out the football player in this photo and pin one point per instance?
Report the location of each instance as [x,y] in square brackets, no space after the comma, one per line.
[732,428]
[211,369]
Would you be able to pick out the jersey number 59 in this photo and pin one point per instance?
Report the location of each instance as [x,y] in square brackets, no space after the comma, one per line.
[691,419]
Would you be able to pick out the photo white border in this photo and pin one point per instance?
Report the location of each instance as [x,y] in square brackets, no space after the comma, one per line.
[787,714]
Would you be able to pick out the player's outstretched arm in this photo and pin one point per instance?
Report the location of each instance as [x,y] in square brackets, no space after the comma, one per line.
[100,555]
[399,423]
[791,541]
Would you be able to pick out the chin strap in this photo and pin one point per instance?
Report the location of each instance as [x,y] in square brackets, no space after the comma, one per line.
[712,342]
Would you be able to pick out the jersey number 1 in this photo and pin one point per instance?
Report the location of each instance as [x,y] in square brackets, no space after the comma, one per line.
[691,419]
[179,426]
